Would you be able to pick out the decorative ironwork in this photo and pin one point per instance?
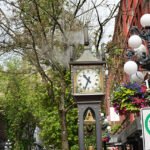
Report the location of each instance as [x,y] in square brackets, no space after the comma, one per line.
[144,58]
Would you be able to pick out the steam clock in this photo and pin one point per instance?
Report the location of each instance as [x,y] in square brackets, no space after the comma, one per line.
[88,92]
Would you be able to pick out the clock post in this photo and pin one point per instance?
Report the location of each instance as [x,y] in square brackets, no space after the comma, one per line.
[88,92]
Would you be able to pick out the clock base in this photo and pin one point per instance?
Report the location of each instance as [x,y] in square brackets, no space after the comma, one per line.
[89,98]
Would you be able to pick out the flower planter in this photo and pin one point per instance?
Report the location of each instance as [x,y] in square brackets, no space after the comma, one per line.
[130,98]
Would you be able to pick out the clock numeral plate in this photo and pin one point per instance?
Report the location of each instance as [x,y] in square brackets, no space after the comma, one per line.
[88,81]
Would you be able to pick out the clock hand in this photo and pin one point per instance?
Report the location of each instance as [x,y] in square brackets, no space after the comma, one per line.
[87,78]
[88,81]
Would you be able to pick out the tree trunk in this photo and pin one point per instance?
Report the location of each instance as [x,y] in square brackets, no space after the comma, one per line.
[64,133]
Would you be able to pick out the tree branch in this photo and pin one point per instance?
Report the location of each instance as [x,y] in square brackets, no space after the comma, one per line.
[100,29]
[111,15]
[70,106]
[78,7]
[89,9]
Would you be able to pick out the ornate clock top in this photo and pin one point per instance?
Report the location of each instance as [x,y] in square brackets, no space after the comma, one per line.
[87,56]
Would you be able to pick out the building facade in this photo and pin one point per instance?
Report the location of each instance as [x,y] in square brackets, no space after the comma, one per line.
[129,15]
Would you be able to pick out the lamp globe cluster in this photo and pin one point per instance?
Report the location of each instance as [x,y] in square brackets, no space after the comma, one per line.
[135,42]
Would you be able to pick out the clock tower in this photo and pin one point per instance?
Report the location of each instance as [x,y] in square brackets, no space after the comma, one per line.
[87,74]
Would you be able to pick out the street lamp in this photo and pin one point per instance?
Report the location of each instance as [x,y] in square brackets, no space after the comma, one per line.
[139,41]
[8,145]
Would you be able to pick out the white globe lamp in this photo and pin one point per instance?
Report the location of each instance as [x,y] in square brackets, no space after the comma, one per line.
[145,20]
[106,72]
[137,77]
[134,41]
[109,128]
[106,120]
[102,114]
[140,49]
[130,67]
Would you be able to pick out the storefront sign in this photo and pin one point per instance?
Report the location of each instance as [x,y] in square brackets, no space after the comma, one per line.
[145,120]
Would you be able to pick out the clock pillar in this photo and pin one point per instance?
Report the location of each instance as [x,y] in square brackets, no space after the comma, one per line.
[88,92]
[95,107]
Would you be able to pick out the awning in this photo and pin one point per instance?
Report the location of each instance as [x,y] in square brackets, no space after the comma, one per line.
[114,140]
[132,130]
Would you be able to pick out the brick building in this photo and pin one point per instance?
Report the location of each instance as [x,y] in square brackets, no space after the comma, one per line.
[129,15]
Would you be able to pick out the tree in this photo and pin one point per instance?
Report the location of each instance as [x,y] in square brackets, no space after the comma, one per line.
[40,30]
[17,113]
[26,104]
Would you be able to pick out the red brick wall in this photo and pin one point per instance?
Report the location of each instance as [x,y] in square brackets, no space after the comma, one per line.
[130,12]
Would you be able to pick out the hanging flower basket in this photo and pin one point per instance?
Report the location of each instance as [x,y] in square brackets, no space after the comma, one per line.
[129,98]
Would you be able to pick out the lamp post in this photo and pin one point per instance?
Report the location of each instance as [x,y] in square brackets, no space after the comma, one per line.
[8,145]
[139,41]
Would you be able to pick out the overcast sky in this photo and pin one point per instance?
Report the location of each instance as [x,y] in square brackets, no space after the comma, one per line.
[109,29]
[103,13]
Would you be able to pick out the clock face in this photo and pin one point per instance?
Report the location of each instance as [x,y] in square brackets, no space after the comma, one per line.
[88,81]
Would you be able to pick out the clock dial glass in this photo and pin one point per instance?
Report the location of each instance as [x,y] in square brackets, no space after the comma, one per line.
[88,80]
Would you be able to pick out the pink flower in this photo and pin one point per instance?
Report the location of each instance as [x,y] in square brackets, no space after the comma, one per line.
[143,88]
[105,139]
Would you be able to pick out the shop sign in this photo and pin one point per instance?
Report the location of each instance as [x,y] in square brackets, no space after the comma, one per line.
[145,120]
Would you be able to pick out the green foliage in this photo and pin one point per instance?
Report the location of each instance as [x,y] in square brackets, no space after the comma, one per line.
[118,51]
[90,135]
[74,147]
[115,128]
[19,117]
[72,120]
[90,140]
[50,128]
[25,104]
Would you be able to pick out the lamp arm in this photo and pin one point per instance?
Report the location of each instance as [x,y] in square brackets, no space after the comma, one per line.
[130,54]
[144,34]
[134,30]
